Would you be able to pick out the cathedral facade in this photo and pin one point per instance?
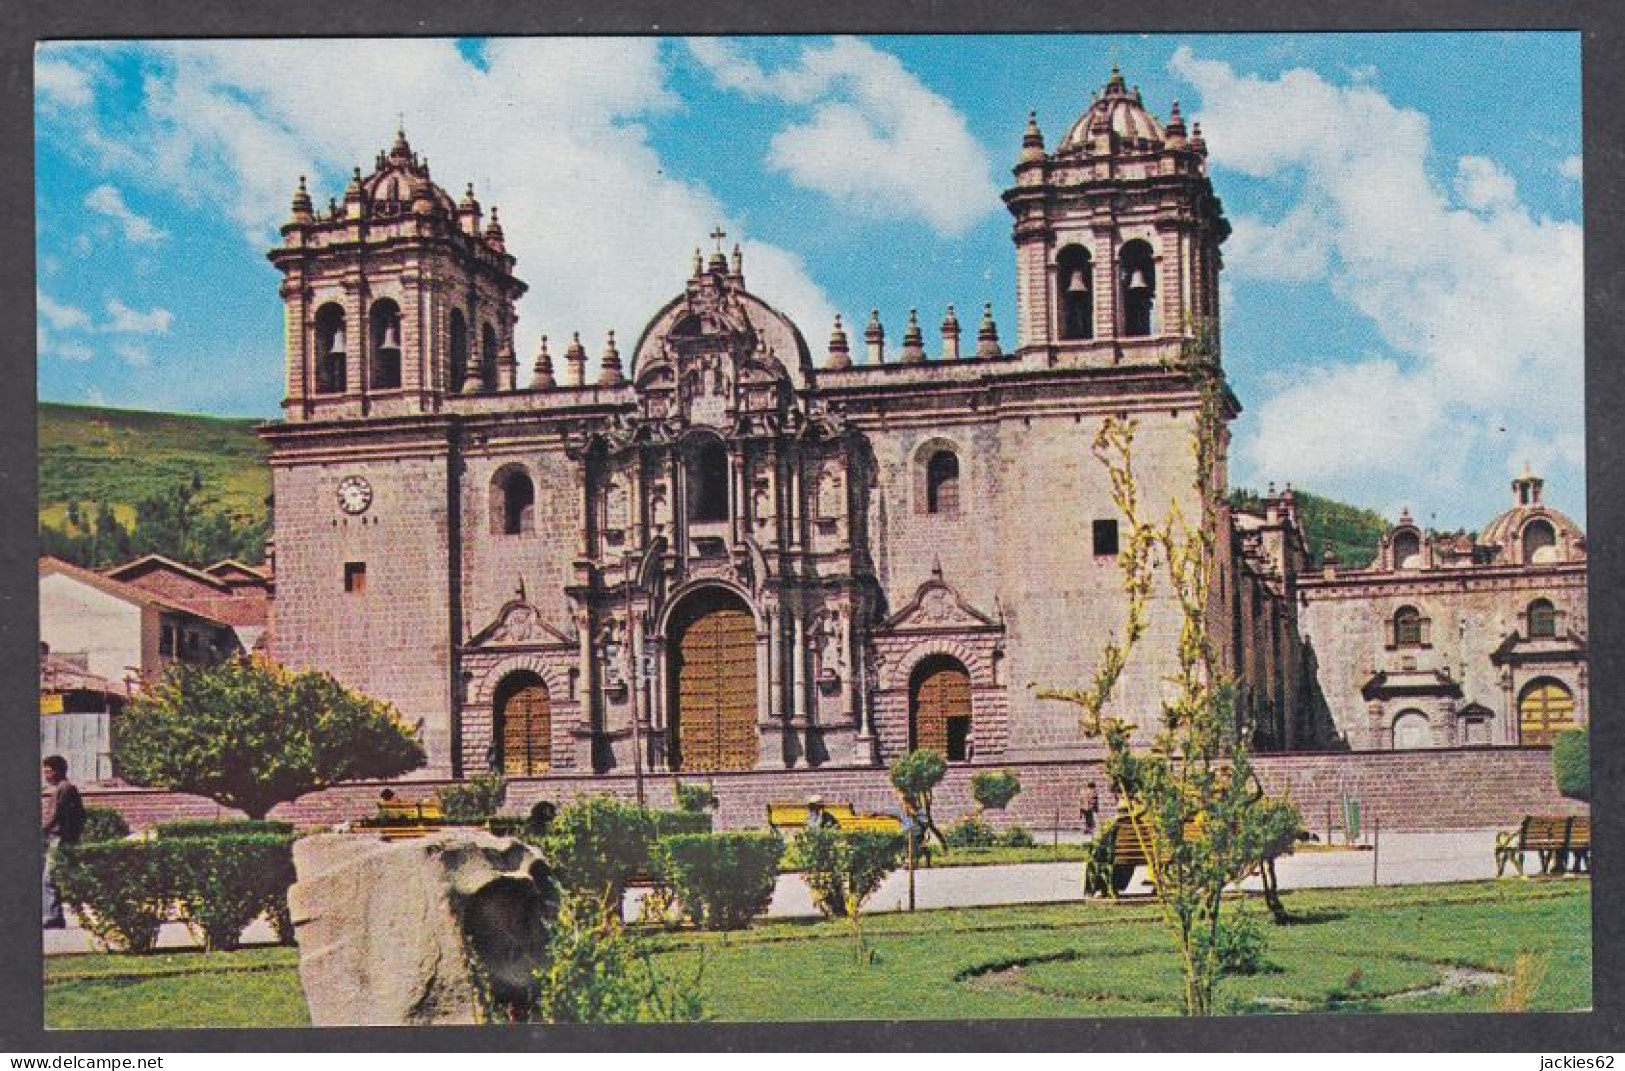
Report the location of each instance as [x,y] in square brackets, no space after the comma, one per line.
[723,550]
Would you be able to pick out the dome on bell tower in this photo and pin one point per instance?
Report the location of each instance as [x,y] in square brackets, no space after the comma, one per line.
[400,182]
[1115,121]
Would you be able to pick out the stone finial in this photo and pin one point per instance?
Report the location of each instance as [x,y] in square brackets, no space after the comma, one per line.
[301,203]
[468,211]
[575,361]
[950,336]
[353,196]
[1115,83]
[507,366]
[1176,125]
[610,365]
[987,336]
[1197,142]
[542,374]
[874,336]
[738,261]
[493,232]
[1329,561]
[1405,515]
[1032,140]
[840,354]
[699,262]
[913,340]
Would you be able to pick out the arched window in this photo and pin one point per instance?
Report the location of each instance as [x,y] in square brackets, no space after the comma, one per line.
[942,484]
[459,349]
[488,357]
[1542,620]
[1410,627]
[1075,297]
[524,726]
[708,482]
[330,349]
[1138,285]
[513,502]
[1407,550]
[1411,730]
[1539,542]
[386,345]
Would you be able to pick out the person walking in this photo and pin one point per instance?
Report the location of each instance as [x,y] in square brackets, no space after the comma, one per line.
[62,822]
[1089,808]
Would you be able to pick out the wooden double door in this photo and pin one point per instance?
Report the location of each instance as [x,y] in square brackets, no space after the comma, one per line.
[527,725]
[713,711]
[941,710]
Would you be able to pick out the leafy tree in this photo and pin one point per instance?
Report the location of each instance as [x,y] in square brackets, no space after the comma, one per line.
[596,846]
[1193,786]
[915,776]
[844,870]
[250,734]
[994,790]
[1571,762]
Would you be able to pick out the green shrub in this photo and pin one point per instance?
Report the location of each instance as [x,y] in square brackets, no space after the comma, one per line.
[672,823]
[120,890]
[597,845]
[506,825]
[224,828]
[994,790]
[1240,945]
[103,824]
[1018,837]
[224,883]
[1571,762]
[597,972]
[844,869]
[695,798]
[540,818]
[475,801]
[722,879]
[971,832]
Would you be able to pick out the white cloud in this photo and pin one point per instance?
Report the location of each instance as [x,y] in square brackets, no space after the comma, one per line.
[877,139]
[548,129]
[1478,301]
[107,201]
[1572,167]
[63,83]
[1482,184]
[60,316]
[133,354]
[67,350]
[121,319]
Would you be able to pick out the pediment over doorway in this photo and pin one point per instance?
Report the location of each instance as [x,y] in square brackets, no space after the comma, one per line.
[938,607]
[519,624]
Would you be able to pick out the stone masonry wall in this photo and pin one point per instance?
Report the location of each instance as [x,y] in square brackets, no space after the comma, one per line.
[1469,788]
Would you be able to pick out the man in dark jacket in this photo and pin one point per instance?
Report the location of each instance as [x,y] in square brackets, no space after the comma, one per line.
[61,823]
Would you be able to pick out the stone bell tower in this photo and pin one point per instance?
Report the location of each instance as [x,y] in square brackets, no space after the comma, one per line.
[1117,237]
[395,298]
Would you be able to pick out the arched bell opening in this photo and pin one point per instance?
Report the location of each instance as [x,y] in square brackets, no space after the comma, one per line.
[1138,281]
[386,345]
[1075,298]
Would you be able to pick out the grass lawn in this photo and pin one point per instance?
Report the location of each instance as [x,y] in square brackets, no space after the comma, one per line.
[1433,948]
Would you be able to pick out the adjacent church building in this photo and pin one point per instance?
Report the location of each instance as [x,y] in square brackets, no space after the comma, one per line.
[725,549]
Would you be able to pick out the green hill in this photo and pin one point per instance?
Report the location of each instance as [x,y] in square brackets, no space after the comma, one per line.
[121,456]
[1355,532]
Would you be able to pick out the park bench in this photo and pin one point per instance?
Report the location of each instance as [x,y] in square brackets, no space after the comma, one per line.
[792,817]
[1556,841]
[398,819]
[1125,846]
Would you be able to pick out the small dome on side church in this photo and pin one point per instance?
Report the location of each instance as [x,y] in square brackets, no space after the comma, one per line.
[1115,121]
[1531,532]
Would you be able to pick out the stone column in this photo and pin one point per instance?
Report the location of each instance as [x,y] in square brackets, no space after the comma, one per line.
[775,666]
[798,665]
[588,694]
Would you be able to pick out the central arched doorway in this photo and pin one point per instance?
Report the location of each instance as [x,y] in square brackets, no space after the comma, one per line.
[940,708]
[712,641]
[524,726]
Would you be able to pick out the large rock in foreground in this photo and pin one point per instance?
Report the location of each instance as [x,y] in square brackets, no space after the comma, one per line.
[429,930]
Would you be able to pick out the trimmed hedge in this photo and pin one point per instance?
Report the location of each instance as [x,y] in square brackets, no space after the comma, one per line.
[994,790]
[1571,762]
[723,880]
[103,824]
[194,827]
[597,845]
[674,823]
[473,801]
[124,890]
[121,890]
[844,869]
[970,832]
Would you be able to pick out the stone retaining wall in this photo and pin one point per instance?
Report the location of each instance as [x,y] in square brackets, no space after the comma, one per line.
[1462,788]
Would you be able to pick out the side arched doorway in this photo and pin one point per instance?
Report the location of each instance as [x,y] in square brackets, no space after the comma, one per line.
[524,726]
[940,709]
[712,645]
[1545,708]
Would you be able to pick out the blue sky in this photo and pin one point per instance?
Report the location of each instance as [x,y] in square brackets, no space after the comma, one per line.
[1402,295]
